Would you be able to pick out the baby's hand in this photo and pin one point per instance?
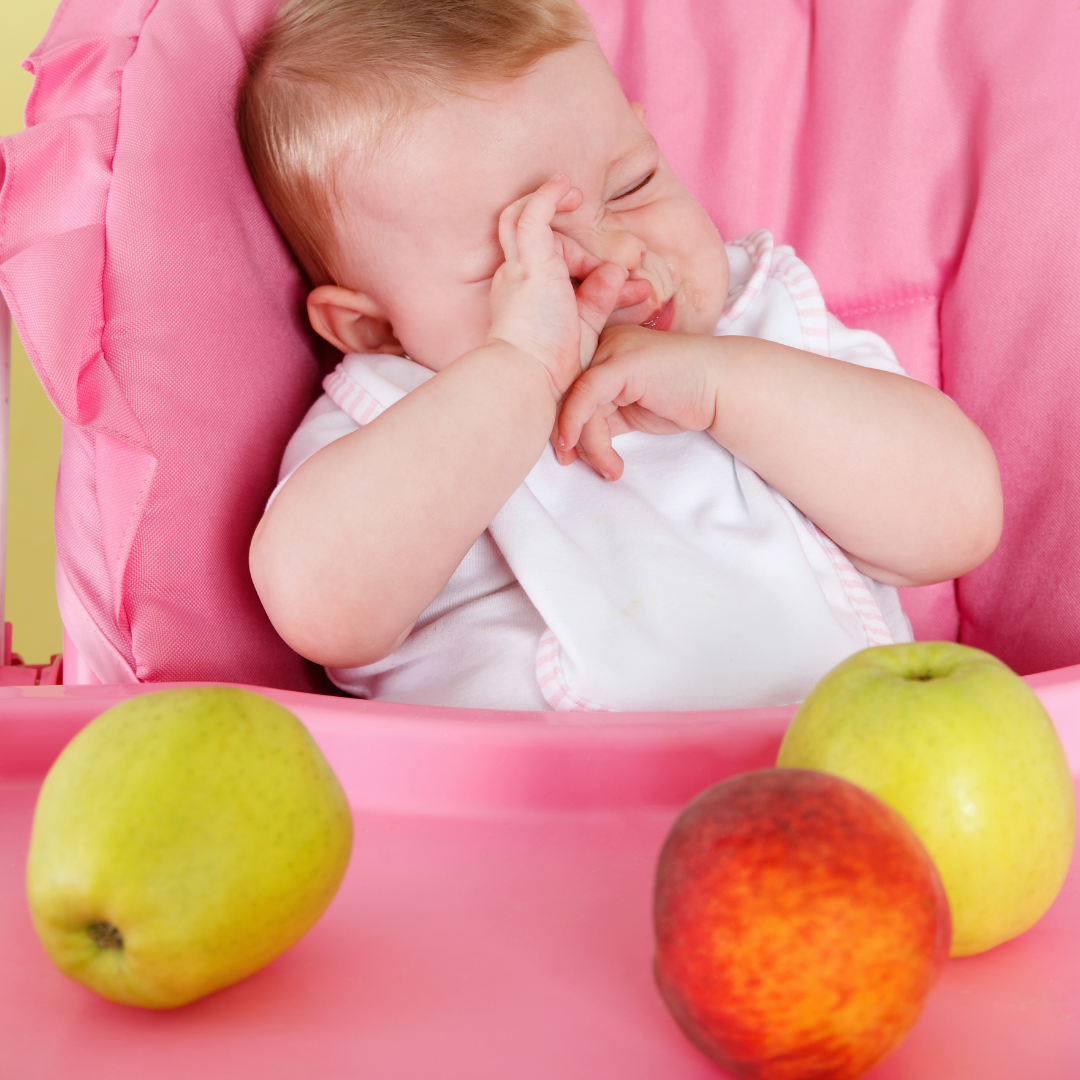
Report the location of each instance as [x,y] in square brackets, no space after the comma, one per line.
[640,380]
[534,305]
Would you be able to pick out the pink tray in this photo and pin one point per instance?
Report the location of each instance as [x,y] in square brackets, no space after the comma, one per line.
[495,920]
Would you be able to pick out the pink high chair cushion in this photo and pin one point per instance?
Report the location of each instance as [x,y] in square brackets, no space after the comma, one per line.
[919,154]
[165,319]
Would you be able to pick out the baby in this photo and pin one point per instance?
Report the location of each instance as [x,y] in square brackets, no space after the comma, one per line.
[580,453]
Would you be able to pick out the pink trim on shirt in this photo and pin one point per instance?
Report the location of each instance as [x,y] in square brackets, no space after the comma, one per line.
[758,245]
[803,289]
[781,263]
[859,596]
[553,686]
[350,397]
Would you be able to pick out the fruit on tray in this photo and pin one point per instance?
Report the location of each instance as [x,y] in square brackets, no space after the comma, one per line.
[963,749]
[800,925]
[181,841]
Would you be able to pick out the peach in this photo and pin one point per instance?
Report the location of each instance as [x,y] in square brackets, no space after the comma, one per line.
[800,925]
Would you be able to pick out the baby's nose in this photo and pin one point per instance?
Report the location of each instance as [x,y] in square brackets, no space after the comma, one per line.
[624,249]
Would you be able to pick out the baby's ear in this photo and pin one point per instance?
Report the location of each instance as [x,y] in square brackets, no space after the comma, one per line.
[352,321]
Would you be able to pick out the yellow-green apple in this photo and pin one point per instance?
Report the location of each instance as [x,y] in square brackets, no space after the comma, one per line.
[800,925]
[181,841]
[961,746]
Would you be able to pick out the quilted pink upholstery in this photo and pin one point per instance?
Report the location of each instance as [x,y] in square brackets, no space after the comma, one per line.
[919,154]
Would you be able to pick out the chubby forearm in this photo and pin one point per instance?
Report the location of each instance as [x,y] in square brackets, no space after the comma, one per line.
[888,467]
[367,531]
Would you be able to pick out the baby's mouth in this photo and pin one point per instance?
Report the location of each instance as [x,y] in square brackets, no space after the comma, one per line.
[662,319]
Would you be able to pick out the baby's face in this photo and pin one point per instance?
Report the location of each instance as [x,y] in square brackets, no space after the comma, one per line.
[422,239]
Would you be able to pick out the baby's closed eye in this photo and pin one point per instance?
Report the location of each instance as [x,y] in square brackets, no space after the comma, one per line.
[635,187]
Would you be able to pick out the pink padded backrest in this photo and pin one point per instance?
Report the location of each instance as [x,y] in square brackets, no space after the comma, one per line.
[919,154]
[164,318]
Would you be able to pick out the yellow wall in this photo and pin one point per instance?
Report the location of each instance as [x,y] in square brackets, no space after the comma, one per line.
[35,427]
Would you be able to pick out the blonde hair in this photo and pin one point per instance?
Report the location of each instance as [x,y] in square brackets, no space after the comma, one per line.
[330,77]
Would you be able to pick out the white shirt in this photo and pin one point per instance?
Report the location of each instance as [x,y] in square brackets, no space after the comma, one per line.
[689,583]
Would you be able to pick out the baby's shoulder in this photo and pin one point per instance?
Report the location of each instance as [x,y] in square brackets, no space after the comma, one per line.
[774,295]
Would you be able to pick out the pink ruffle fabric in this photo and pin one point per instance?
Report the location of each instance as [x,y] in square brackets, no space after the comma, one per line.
[920,155]
[165,318]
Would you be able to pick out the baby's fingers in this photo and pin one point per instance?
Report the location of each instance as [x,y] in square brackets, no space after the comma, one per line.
[598,294]
[594,447]
[596,390]
[525,226]
[579,262]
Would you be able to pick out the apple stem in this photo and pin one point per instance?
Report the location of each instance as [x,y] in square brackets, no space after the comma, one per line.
[105,935]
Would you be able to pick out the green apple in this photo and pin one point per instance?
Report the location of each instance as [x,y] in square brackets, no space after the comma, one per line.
[181,841]
[963,749]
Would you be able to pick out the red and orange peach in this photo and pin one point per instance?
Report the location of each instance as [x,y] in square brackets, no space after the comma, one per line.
[800,925]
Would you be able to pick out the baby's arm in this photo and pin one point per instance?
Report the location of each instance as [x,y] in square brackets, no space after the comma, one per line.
[888,467]
[367,531]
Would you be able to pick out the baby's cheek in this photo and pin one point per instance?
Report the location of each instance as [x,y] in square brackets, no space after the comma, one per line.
[452,324]
[708,282]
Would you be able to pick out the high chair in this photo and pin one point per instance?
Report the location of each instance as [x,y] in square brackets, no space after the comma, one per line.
[920,155]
